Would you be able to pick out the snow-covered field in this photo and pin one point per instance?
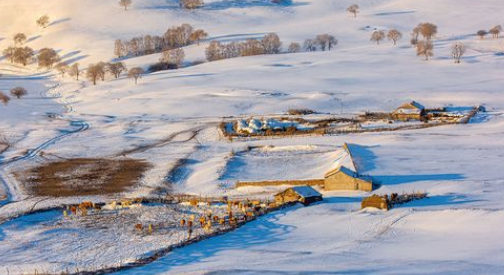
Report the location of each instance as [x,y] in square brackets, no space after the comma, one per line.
[171,119]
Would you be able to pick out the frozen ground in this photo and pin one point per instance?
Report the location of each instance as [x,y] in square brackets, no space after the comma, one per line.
[171,120]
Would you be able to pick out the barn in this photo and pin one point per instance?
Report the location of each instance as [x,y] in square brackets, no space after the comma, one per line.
[303,194]
[343,178]
[380,202]
[409,111]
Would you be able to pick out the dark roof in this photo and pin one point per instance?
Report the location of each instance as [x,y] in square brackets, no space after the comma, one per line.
[304,191]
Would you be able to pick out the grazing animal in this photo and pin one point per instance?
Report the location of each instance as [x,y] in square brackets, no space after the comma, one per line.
[202,221]
[182,222]
[74,210]
[215,218]
[139,227]
[222,221]
[86,204]
[190,224]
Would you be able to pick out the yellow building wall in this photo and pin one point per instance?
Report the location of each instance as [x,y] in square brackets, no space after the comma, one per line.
[342,181]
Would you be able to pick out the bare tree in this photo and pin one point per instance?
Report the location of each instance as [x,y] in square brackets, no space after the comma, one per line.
[19,38]
[482,34]
[353,9]
[125,4]
[47,58]
[458,50]
[294,47]
[149,47]
[116,69]
[94,72]
[310,45]
[326,41]
[427,30]
[43,21]
[214,51]
[136,73]
[18,92]
[377,36]
[74,71]
[198,35]
[425,48]
[23,55]
[62,68]
[394,35]
[191,4]
[495,31]
[119,48]
[175,56]
[4,98]
[271,43]
[9,53]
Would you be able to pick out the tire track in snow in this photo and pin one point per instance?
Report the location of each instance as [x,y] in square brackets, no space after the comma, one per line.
[78,125]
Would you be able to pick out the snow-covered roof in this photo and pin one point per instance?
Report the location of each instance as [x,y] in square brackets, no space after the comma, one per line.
[306,191]
[410,107]
[342,169]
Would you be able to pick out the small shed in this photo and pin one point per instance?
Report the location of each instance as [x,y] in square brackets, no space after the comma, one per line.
[380,202]
[303,194]
[409,111]
[343,178]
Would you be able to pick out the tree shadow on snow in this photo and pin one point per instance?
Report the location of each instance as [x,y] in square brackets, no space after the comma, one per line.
[59,21]
[363,157]
[440,201]
[402,179]
[33,38]
[393,13]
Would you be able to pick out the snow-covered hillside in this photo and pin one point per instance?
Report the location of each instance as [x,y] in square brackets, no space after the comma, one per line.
[171,120]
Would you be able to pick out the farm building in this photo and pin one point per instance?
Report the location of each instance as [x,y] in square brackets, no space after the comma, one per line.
[380,202]
[409,111]
[303,194]
[343,178]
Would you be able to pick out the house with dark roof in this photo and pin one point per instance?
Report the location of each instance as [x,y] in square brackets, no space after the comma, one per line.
[409,111]
[303,194]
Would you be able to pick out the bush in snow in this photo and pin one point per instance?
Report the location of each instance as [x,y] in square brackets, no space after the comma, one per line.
[125,4]
[18,92]
[20,55]
[425,48]
[353,9]
[482,34]
[19,38]
[43,21]
[377,36]
[4,98]
[191,4]
[95,72]
[427,30]
[394,35]
[495,31]
[136,73]
[294,47]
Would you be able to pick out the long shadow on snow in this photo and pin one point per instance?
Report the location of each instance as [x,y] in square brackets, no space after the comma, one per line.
[440,201]
[363,157]
[402,179]
[262,231]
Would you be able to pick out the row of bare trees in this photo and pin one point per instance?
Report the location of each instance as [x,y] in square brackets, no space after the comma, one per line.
[269,44]
[495,32]
[321,41]
[45,57]
[17,92]
[393,35]
[99,71]
[191,4]
[173,38]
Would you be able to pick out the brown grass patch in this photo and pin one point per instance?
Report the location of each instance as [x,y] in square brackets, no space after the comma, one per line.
[82,177]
